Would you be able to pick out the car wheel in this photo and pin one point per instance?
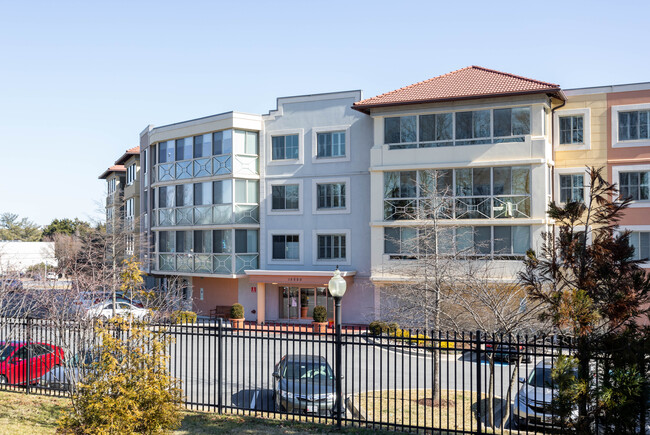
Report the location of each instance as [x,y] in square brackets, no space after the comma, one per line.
[3,380]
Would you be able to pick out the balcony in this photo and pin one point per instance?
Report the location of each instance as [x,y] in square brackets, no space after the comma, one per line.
[465,207]
[222,214]
[242,165]
[217,264]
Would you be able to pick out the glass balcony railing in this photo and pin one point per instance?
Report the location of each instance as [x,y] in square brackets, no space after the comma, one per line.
[222,214]
[218,264]
[460,207]
[207,167]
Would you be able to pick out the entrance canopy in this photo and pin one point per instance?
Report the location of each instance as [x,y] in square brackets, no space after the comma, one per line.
[297,277]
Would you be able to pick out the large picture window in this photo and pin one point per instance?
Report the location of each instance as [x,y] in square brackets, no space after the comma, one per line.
[471,128]
[467,193]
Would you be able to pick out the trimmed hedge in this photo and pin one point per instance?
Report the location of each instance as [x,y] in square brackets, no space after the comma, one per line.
[377,328]
[320,314]
[237,311]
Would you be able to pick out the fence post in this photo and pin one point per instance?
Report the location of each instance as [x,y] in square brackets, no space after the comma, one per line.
[219,364]
[339,393]
[478,382]
[29,353]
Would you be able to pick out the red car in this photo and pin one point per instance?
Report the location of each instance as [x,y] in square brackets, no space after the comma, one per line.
[21,362]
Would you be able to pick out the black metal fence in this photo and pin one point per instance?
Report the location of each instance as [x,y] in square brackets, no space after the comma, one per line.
[414,381]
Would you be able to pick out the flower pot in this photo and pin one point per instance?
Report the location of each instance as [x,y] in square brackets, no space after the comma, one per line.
[303,312]
[320,327]
[237,323]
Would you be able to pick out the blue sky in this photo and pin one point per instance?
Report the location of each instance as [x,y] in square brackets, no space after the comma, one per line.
[80,80]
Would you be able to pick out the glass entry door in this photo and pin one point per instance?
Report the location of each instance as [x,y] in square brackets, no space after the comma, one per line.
[290,302]
[299,303]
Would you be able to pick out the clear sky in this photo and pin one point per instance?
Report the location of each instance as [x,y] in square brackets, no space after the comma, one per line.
[80,80]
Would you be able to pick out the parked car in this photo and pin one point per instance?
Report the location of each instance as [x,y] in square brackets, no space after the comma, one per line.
[304,384]
[507,352]
[11,284]
[62,377]
[52,276]
[22,363]
[104,310]
[532,404]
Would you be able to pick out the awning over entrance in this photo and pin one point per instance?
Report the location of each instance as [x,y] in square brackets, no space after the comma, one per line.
[297,277]
[301,289]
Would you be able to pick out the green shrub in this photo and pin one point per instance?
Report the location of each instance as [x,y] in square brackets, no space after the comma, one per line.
[393,326]
[377,327]
[183,317]
[237,311]
[320,314]
[129,389]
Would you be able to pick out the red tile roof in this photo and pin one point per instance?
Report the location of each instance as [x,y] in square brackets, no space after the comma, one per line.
[128,153]
[114,168]
[466,83]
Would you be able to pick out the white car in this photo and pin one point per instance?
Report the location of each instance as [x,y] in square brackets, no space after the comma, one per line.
[52,276]
[104,310]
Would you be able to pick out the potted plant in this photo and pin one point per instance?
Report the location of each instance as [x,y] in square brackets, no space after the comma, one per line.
[320,319]
[237,315]
[304,307]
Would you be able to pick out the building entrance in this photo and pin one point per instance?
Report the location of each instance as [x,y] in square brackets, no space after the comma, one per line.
[299,302]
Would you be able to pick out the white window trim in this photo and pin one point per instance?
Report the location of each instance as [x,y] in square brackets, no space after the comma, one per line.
[269,198]
[314,195]
[616,170]
[314,143]
[627,143]
[586,129]
[301,145]
[636,228]
[570,171]
[301,244]
[331,262]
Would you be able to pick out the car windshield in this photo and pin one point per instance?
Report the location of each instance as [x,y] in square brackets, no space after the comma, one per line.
[541,377]
[307,370]
[5,352]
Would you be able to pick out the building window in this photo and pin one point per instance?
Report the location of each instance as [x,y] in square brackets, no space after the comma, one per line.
[111,186]
[468,193]
[144,160]
[490,241]
[129,210]
[130,174]
[247,191]
[634,185]
[471,127]
[203,241]
[571,130]
[203,145]
[184,148]
[166,151]
[330,144]
[221,241]
[222,192]
[286,247]
[184,241]
[640,241]
[109,214]
[222,142]
[633,125]
[203,193]
[284,147]
[285,197]
[246,241]
[245,142]
[330,195]
[166,241]
[129,242]
[331,247]
[572,188]
[166,196]
[184,195]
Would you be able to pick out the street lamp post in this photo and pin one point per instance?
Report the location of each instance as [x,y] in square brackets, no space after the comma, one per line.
[337,287]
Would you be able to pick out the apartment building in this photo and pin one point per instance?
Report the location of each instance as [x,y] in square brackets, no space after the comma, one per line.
[123,202]
[260,209]
[483,137]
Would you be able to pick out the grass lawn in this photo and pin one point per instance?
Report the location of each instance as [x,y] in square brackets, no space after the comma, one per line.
[23,414]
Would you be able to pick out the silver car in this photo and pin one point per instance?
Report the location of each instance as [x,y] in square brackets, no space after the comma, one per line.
[63,377]
[304,384]
[532,405]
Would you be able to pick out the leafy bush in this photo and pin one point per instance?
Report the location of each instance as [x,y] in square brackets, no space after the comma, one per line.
[129,389]
[183,317]
[377,328]
[237,311]
[393,326]
[320,314]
